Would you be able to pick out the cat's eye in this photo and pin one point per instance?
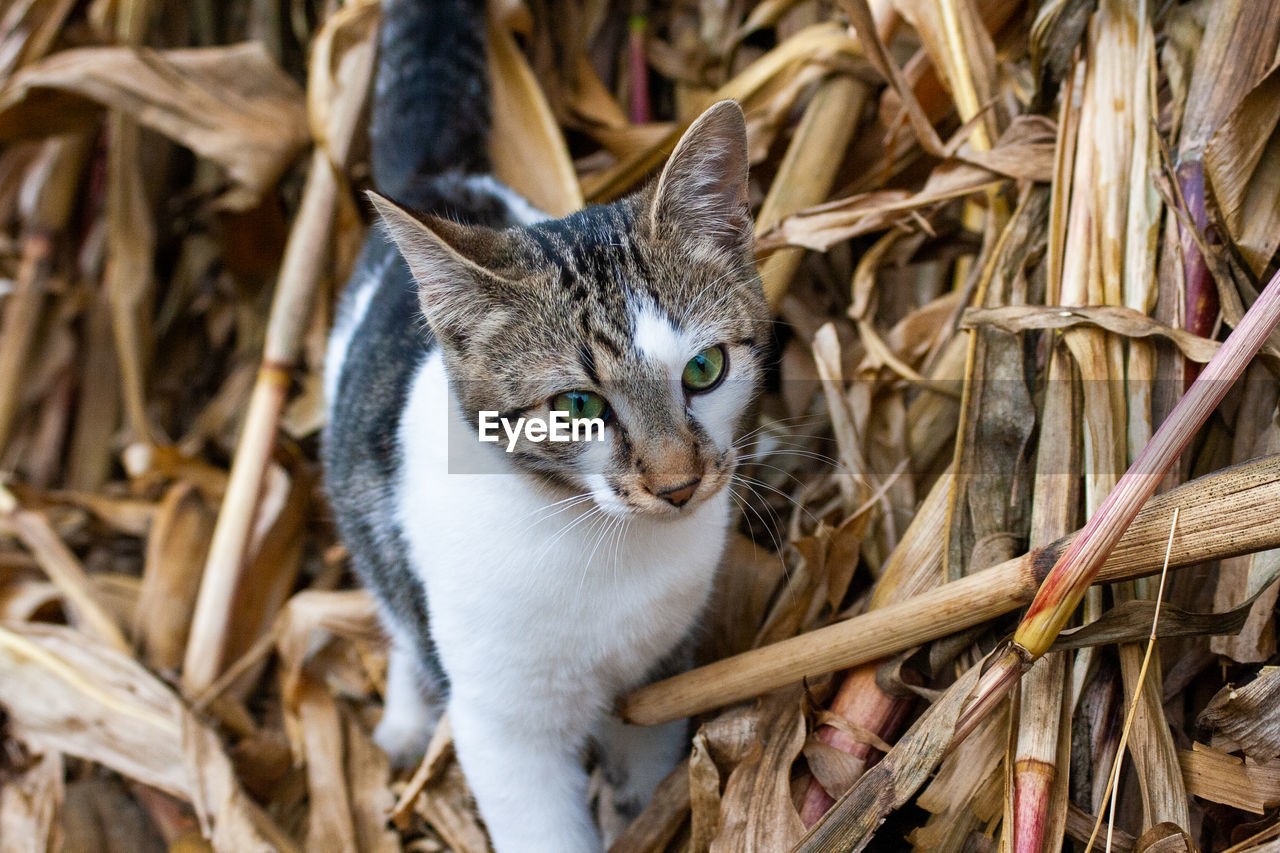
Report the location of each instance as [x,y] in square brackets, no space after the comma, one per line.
[705,370]
[581,405]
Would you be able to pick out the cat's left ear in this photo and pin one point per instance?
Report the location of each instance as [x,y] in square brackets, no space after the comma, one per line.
[702,194]
[448,261]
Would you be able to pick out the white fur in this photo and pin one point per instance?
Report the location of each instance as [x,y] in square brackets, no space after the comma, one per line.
[524,212]
[718,409]
[603,496]
[670,346]
[350,312]
[542,615]
[408,718]
[649,752]
[659,339]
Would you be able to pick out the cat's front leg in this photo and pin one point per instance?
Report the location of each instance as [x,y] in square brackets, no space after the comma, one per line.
[410,711]
[527,779]
[636,758]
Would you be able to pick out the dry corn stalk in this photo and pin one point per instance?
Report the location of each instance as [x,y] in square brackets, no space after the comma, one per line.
[1079,565]
[1221,516]
[300,272]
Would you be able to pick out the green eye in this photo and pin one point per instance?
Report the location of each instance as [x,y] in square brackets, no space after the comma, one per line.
[581,405]
[705,370]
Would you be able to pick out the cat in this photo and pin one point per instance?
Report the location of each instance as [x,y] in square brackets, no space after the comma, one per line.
[526,590]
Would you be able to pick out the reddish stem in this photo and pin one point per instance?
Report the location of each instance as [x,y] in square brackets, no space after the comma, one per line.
[860,701]
[639,67]
[1201,298]
[1031,799]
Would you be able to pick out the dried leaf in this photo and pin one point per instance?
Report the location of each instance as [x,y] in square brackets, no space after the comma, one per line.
[1025,151]
[1242,164]
[704,792]
[745,585]
[529,153]
[1239,44]
[834,769]
[176,551]
[99,815]
[821,227]
[1222,778]
[232,104]
[1244,577]
[1249,715]
[1113,318]
[1165,838]
[28,38]
[29,806]
[757,815]
[68,695]
[349,614]
[331,826]
[1131,622]
[63,569]
[808,171]
[447,806]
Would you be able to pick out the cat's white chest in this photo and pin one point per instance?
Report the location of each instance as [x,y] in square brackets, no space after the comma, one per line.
[575,602]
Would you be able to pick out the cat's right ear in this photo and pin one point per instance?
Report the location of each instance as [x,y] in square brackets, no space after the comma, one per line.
[702,193]
[449,283]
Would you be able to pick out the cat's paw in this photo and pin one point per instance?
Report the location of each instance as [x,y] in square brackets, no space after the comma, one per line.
[635,759]
[404,739]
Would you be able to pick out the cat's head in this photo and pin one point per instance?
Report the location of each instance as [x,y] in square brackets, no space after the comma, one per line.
[647,312]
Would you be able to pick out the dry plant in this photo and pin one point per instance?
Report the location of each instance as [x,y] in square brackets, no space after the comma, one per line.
[1024,259]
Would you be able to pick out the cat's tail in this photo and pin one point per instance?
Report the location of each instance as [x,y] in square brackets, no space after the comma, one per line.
[431,98]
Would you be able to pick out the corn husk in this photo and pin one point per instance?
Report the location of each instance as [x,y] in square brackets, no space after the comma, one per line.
[1001,238]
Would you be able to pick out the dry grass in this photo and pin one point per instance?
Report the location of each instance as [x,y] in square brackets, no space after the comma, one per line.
[1003,239]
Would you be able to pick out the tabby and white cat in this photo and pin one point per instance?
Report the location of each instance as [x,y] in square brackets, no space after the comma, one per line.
[526,601]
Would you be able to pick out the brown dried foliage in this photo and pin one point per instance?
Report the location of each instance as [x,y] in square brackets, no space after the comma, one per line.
[1000,236]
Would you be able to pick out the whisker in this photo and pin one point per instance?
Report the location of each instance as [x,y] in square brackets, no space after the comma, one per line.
[800,441]
[586,565]
[784,472]
[591,513]
[746,506]
[748,481]
[776,424]
[786,571]
[767,432]
[804,454]
[622,525]
[565,503]
[546,513]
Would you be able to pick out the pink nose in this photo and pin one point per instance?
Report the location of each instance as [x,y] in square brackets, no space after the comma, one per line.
[679,496]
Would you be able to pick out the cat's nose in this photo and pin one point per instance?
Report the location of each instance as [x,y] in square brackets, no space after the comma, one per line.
[679,496]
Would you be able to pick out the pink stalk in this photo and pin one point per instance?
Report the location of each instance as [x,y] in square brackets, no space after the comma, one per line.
[639,67]
[1066,583]
[1031,797]
[1201,300]
[861,702]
